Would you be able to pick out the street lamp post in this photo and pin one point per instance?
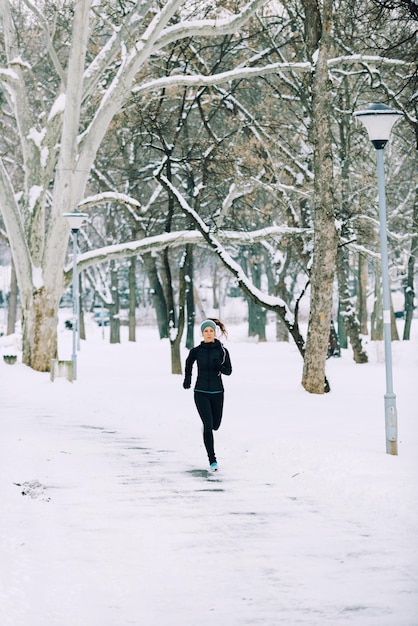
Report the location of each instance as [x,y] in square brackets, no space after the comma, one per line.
[75,220]
[378,120]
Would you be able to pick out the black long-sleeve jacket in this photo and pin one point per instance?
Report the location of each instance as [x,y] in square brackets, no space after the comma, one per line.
[212,361]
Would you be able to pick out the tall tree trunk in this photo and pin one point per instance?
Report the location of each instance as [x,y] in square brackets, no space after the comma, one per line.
[275,272]
[256,313]
[81,324]
[346,309]
[342,333]
[132,300]
[175,337]
[12,304]
[40,320]
[362,282]
[158,296]
[282,333]
[376,330]
[190,306]
[409,287]
[393,327]
[166,270]
[325,235]
[215,288]
[114,321]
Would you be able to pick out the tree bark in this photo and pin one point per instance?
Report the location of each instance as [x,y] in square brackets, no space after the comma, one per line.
[190,305]
[39,321]
[376,330]
[215,289]
[325,235]
[393,326]
[157,293]
[346,309]
[256,313]
[342,333]
[176,334]
[114,322]
[12,304]
[132,300]
[409,286]
[362,282]
[82,325]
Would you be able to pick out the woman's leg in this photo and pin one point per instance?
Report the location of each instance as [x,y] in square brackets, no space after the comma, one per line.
[204,407]
[217,402]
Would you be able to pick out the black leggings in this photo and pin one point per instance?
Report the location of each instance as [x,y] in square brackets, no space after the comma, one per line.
[210,407]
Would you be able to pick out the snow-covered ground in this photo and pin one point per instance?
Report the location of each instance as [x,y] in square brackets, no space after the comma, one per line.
[109,517]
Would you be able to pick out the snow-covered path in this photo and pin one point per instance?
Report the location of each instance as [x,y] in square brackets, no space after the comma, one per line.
[120,523]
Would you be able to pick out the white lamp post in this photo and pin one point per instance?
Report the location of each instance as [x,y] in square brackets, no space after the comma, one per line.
[378,120]
[75,220]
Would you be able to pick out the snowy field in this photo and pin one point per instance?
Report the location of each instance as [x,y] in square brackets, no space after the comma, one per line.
[109,517]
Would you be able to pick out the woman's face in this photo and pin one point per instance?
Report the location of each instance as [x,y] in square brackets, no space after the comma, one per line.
[208,335]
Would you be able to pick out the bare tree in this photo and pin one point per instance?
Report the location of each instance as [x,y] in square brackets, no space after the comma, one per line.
[62,122]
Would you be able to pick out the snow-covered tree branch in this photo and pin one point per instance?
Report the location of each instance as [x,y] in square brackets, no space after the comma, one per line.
[269,302]
[95,95]
[177,239]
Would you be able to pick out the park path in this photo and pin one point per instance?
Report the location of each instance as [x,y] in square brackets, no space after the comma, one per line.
[105,525]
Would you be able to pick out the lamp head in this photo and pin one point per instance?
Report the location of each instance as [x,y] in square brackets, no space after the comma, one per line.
[75,219]
[378,119]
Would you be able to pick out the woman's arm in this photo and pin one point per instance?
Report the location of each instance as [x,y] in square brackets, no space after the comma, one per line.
[188,369]
[225,366]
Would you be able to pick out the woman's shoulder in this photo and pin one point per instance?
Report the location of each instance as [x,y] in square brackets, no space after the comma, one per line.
[193,351]
[196,349]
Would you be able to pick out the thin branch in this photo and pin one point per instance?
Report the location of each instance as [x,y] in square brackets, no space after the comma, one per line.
[272,303]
